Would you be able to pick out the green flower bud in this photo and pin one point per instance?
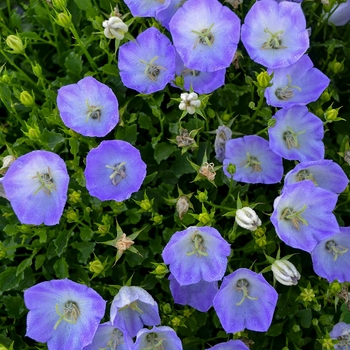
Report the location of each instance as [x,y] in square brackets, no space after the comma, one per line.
[72,215]
[166,308]
[157,219]
[231,169]
[325,97]
[202,197]
[296,328]
[27,99]
[74,197]
[64,19]
[337,67]
[204,218]
[319,112]
[335,287]
[33,133]
[331,115]
[37,70]
[271,122]
[146,204]
[225,118]
[103,229]
[315,321]
[261,242]
[59,4]
[5,79]
[96,266]
[263,79]
[161,270]
[176,321]
[15,43]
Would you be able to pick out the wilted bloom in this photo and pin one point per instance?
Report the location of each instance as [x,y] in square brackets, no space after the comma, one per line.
[189,102]
[298,84]
[132,308]
[88,107]
[331,257]
[341,14]
[199,295]
[36,184]
[196,254]
[115,28]
[63,314]
[223,134]
[245,300]
[230,345]
[323,173]
[108,337]
[205,34]
[182,206]
[285,272]
[247,218]
[147,64]
[297,134]
[275,34]
[114,170]
[164,16]
[6,162]
[303,215]
[253,159]
[162,338]
[341,332]
[146,8]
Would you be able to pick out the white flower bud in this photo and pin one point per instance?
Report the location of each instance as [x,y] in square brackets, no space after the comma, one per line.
[247,218]
[285,272]
[115,28]
[189,102]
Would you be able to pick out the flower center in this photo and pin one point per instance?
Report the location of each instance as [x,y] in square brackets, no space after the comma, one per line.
[291,138]
[205,37]
[70,313]
[46,182]
[118,172]
[274,42]
[133,306]
[335,249]
[294,216]
[154,342]
[286,92]
[94,112]
[188,71]
[198,248]
[306,175]
[115,340]
[242,286]
[253,162]
[152,70]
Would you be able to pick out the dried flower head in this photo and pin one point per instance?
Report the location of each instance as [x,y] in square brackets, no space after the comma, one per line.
[123,243]
[184,139]
[207,170]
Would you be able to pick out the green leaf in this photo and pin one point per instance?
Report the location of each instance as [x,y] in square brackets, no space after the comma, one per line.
[9,280]
[305,317]
[39,260]
[61,268]
[163,150]
[85,249]
[51,139]
[128,133]
[23,265]
[275,330]
[14,306]
[110,69]
[61,241]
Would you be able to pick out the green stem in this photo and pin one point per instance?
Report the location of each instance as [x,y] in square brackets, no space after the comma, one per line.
[260,103]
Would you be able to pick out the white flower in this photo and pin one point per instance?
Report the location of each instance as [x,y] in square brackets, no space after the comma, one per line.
[285,272]
[247,218]
[115,28]
[189,102]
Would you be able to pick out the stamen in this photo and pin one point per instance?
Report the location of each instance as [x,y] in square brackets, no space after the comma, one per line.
[274,42]
[133,305]
[155,342]
[205,37]
[291,138]
[306,175]
[118,172]
[152,70]
[287,92]
[242,286]
[335,249]
[46,182]
[252,162]
[70,313]
[115,340]
[94,112]
[294,216]
[199,248]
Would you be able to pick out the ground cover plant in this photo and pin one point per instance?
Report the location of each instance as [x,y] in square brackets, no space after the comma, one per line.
[174,175]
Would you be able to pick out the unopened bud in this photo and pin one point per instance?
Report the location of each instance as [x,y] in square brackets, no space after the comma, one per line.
[204,218]
[59,4]
[115,28]
[5,79]
[325,97]
[15,43]
[33,133]
[285,272]
[202,196]
[96,266]
[64,19]
[146,204]
[247,218]
[157,219]
[271,122]
[182,206]
[296,328]
[72,216]
[27,99]
[37,70]
[337,67]
[263,79]
[331,114]
[74,197]
[161,270]
[231,169]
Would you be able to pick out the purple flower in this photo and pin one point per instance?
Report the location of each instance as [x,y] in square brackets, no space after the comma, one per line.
[114,170]
[146,8]
[275,34]
[201,82]
[205,34]
[109,337]
[223,134]
[147,64]
[132,308]
[36,184]
[245,300]
[298,84]
[162,337]
[341,15]
[164,16]
[297,134]
[230,345]
[88,107]
[331,257]
[323,173]
[303,215]
[341,332]
[253,160]
[199,295]
[63,313]
[196,254]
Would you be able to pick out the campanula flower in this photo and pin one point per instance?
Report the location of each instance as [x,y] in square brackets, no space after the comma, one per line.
[297,134]
[247,218]
[189,102]
[323,173]
[147,64]
[146,8]
[341,14]
[253,160]
[132,308]
[341,332]
[62,313]
[275,34]
[114,170]
[298,84]
[205,34]
[285,272]
[36,184]
[303,215]
[88,107]
[199,295]
[331,256]
[230,345]
[245,300]
[114,28]
[196,254]
[164,16]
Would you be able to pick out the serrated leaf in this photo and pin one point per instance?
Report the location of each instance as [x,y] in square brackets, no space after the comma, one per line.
[61,241]
[61,268]
[9,280]
[163,150]
[23,265]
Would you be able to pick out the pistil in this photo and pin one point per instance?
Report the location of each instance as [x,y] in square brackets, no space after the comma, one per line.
[242,286]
